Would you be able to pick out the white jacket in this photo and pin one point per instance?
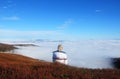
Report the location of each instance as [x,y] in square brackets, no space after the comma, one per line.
[60,56]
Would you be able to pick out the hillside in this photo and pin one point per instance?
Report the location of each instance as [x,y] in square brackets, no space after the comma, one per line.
[16,59]
[14,66]
[6,47]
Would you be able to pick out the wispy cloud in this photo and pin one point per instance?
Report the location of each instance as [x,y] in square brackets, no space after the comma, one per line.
[5,7]
[13,18]
[8,4]
[26,33]
[98,10]
[65,24]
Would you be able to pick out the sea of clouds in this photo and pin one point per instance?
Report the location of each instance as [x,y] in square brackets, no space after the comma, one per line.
[82,53]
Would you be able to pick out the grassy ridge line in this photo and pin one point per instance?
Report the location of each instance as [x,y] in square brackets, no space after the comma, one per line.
[16,58]
[25,45]
[6,47]
[14,66]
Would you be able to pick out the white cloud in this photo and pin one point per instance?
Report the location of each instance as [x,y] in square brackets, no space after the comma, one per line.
[88,52]
[66,24]
[11,18]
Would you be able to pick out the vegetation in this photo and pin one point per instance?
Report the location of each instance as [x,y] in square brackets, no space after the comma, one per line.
[6,47]
[13,66]
[25,45]
[116,63]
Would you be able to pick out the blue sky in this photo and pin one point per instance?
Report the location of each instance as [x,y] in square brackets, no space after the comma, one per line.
[60,19]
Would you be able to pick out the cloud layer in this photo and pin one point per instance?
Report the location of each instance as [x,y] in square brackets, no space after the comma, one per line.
[83,53]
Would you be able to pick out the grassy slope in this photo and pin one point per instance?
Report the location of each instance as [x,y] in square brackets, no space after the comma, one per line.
[16,58]
[14,66]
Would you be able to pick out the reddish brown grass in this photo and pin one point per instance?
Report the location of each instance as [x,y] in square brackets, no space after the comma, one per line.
[13,66]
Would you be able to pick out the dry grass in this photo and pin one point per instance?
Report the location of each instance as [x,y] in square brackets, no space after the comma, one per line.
[14,66]
[15,58]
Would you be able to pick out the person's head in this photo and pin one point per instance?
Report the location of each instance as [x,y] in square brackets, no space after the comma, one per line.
[60,48]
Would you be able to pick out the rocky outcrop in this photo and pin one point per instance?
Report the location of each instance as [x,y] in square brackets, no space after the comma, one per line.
[116,63]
